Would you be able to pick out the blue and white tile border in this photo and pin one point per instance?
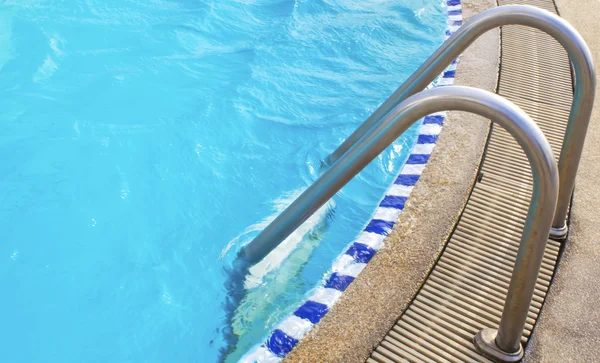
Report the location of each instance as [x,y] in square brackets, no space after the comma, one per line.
[345,269]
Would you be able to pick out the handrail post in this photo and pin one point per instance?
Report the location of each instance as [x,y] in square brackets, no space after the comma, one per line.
[581,108]
[505,343]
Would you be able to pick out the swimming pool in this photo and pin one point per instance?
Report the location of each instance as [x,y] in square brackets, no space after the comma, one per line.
[145,141]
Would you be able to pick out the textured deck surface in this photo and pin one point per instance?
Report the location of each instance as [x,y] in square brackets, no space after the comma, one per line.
[571,315]
[466,289]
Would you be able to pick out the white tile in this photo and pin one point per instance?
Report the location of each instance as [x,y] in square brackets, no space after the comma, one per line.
[412,169]
[423,149]
[386,214]
[430,129]
[451,67]
[295,327]
[260,355]
[345,265]
[398,190]
[445,81]
[374,240]
[326,296]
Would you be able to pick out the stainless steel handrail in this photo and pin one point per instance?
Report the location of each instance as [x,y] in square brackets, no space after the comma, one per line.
[391,126]
[581,108]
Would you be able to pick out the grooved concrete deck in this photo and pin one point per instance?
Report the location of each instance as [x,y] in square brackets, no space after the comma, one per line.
[466,289]
[569,326]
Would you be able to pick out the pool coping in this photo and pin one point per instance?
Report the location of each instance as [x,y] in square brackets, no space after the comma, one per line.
[388,226]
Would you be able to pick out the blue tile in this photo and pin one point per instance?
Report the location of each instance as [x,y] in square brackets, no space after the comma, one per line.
[280,343]
[391,201]
[338,282]
[379,227]
[448,32]
[361,253]
[427,139]
[433,119]
[312,311]
[455,22]
[452,2]
[417,159]
[449,74]
[406,179]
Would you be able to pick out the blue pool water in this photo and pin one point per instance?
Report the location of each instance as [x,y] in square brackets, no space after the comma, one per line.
[144,141]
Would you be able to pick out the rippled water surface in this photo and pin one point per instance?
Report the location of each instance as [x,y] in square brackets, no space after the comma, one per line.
[144,141]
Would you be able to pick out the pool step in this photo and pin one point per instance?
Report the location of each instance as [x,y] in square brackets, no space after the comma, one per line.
[466,290]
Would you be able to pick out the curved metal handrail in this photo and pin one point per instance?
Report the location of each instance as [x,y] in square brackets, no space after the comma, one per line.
[398,120]
[583,99]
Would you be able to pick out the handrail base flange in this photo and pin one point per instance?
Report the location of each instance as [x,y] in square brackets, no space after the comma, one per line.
[559,234]
[485,343]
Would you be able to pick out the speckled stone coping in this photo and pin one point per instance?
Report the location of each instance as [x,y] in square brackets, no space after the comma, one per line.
[374,301]
[346,268]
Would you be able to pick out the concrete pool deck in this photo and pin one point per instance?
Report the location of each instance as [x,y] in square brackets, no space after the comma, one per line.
[347,332]
[569,326]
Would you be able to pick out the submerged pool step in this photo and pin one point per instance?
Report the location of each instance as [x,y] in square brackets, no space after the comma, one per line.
[465,292]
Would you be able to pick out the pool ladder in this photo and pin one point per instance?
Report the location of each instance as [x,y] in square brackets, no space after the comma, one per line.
[552,185]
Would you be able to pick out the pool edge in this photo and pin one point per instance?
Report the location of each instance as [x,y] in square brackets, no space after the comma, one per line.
[415,240]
